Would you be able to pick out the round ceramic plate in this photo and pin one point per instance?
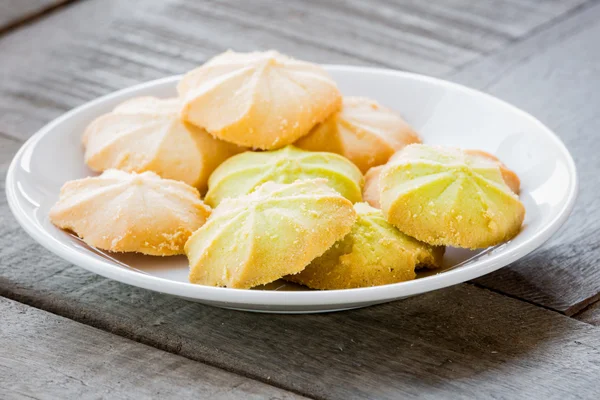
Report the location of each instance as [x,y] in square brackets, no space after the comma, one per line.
[442,112]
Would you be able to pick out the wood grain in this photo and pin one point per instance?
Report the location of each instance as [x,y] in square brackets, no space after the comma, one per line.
[14,12]
[44,356]
[464,341]
[560,84]
[95,47]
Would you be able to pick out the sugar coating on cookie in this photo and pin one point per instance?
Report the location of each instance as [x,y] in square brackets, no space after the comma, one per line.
[446,196]
[263,100]
[275,231]
[363,131]
[130,212]
[146,134]
[373,253]
[244,172]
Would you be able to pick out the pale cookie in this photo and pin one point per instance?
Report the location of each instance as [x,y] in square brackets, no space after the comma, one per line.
[263,100]
[146,134]
[363,131]
[129,212]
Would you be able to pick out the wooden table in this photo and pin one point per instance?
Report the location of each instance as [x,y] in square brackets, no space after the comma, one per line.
[527,331]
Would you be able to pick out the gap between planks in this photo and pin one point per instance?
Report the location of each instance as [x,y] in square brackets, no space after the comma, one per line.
[62,309]
[49,356]
[561,274]
[35,15]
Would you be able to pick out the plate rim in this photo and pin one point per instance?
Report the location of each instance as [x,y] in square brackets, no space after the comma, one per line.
[245,297]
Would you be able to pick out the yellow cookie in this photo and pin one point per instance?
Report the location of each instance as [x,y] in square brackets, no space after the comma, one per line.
[509,176]
[446,196]
[146,134]
[123,212]
[243,173]
[371,188]
[263,100]
[362,131]
[373,253]
[275,231]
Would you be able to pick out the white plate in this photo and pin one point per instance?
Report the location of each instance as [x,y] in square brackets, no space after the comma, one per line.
[442,112]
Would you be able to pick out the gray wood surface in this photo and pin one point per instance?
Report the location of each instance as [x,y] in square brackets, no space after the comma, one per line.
[44,356]
[461,342]
[14,12]
[556,76]
[590,315]
[94,47]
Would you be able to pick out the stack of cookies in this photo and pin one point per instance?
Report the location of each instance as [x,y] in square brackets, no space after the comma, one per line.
[279,156]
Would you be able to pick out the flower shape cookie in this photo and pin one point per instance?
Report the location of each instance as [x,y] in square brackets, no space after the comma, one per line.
[373,253]
[362,131]
[275,231]
[263,100]
[146,134]
[446,196]
[129,212]
[244,172]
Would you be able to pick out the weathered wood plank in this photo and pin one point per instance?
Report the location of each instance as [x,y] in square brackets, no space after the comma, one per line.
[399,34]
[561,86]
[591,315]
[460,342]
[44,356]
[14,12]
[95,47]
